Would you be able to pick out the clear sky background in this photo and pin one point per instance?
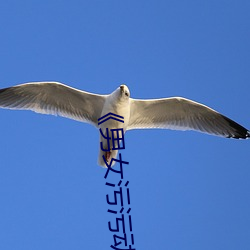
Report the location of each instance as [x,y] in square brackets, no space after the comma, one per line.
[188,190]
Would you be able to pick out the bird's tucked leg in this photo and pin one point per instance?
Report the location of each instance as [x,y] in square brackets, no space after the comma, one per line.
[108,156]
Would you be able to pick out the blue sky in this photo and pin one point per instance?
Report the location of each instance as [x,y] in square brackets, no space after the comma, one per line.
[188,190]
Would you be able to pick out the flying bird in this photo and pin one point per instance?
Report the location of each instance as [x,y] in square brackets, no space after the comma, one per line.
[175,113]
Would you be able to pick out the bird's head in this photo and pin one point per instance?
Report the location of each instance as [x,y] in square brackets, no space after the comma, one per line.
[121,94]
[124,91]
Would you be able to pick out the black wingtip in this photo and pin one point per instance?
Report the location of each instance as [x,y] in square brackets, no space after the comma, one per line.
[239,131]
[248,134]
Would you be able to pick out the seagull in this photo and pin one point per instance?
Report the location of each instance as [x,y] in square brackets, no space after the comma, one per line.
[175,113]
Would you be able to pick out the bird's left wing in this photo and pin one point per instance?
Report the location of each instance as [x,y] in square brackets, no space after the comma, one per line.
[182,114]
[54,98]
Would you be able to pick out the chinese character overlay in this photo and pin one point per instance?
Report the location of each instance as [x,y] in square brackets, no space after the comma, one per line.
[119,197]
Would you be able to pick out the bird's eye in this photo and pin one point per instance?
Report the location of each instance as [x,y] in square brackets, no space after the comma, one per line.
[126,93]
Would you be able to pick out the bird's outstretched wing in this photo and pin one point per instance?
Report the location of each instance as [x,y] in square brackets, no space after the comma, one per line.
[54,98]
[182,114]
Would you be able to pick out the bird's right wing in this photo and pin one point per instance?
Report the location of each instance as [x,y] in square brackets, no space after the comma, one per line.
[182,114]
[54,98]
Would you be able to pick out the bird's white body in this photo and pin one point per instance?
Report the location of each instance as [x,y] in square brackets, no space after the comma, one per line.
[167,113]
[119,106]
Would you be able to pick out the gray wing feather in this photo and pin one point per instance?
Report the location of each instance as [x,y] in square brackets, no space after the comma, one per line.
[182,114]
[54,98]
